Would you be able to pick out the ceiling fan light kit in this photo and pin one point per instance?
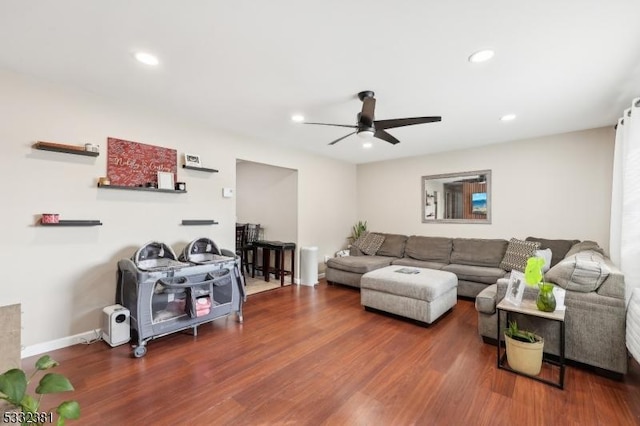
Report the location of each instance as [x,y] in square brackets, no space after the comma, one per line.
[367,127]
[366,134]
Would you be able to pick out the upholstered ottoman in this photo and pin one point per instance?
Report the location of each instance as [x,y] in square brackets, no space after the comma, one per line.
[423,295]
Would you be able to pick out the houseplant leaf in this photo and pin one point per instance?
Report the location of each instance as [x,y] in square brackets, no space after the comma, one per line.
[53,383]
[30,404]
[45,362]
[13,384]
[69,410]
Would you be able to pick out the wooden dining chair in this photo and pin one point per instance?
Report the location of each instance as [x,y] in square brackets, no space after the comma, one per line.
[241,241]
[252,234]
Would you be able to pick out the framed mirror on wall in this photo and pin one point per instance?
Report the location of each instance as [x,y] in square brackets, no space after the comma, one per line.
[463,197]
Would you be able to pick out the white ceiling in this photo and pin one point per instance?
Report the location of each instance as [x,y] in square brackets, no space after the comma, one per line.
[247,66]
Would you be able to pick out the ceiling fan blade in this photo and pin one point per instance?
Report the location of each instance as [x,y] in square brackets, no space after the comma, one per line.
[339,139]
[399,122]
[381,134]
[368,108]
[334,125]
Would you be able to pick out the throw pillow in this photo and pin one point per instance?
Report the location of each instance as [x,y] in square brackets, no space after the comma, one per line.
[547,256]
[517,253]
[369,243]
[582,272]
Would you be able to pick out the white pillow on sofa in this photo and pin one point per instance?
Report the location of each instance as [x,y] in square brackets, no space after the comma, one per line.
[546,255]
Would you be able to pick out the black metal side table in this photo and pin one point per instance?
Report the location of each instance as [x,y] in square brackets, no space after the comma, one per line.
[528,307]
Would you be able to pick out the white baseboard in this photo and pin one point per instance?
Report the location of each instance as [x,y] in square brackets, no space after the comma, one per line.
[40,348]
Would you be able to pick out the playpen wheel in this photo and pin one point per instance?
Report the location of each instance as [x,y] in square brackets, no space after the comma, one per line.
[139,351]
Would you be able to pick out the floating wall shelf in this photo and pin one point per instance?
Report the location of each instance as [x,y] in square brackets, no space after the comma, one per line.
[67,149]
[74,223]
[143,188]
[202,169]
[199,222]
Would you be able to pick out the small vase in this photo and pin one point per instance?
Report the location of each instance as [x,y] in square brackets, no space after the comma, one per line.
[546,301]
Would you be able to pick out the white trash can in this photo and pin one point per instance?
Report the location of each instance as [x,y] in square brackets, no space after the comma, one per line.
[309,266]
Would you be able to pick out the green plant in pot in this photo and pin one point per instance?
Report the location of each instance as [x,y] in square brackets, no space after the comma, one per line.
[358,230]
[533,275]
[13,389]
[524,350]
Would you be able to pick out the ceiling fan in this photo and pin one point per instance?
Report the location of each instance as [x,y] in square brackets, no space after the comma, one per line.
[368,127]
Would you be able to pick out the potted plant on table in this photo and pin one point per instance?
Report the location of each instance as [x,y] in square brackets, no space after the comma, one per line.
[13,389]
[524,350]
[533,275]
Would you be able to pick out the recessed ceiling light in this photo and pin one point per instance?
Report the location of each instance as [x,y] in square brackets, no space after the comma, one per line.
[367,144]
[481,56]
[298,118]
[147,58]
[508,117]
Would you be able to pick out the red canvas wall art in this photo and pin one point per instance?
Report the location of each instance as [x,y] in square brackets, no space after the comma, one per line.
[136,164]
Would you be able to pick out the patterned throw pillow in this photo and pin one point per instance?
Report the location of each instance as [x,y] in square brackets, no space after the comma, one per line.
[369,243]
[518,252]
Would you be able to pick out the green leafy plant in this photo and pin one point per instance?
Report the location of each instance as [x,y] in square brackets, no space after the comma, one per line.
[358,230]
[522,335]
[13,389]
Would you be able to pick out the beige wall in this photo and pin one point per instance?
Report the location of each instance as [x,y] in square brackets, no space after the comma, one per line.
[553,187]
[63,277]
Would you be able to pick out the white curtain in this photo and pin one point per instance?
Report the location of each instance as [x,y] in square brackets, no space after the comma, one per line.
[624,244]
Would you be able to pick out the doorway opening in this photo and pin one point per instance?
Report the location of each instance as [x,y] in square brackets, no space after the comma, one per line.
[267,195]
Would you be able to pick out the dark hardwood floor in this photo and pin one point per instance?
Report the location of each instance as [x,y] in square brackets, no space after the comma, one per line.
[314,356]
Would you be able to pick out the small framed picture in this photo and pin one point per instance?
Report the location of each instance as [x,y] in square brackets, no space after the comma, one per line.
[192,160]
[165,180]
[515,289]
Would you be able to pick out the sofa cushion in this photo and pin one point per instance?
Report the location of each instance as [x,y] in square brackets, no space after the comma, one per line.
[480,252]
[359,264]
[582,272]
[517,254]
[559,248]
[369,243]
[479,274]
[393,245]
[584,245]
[407,261]
[434,249]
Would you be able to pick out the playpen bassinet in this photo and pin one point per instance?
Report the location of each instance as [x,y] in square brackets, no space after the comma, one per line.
[165,294]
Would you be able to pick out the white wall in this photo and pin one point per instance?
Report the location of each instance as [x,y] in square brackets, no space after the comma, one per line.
[64,276]
[553,187]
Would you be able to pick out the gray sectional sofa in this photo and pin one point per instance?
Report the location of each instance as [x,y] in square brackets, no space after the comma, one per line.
[595,319]
[476,262]
[595,296]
